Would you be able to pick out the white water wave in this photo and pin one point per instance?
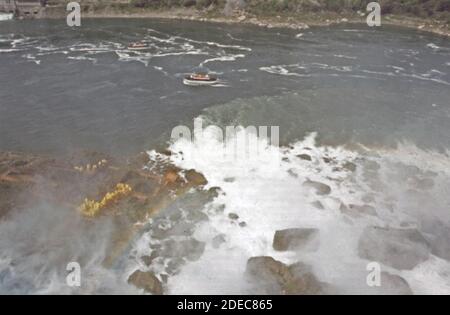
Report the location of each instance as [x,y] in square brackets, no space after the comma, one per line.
[345,57]
[275,195]
[223,58]
[93,60]
[321,69]
[158,46]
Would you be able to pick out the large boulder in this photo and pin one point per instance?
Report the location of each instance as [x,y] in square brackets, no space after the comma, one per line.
[269,276]
[305,157]
[146,281]
[397,248]
[390,284]
[358,210]
[438,235]
[293,239]
[195,178]
[303,281]
[394,285]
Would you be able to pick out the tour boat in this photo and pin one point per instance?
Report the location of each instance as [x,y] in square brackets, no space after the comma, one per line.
[199,79]
[6,16]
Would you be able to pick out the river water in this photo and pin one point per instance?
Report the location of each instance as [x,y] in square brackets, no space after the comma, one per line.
[378,98]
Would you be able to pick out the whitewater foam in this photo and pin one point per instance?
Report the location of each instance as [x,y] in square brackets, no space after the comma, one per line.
[271,196]
[374,72]
[159,45]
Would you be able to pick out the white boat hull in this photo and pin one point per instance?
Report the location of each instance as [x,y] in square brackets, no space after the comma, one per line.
[198,82]
[6,16]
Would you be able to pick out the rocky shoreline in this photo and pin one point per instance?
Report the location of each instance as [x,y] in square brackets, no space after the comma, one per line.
[27,179]
[155,184]
[294,21]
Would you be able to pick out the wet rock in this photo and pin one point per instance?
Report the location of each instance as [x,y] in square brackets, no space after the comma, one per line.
[397,248]
[164,278]
[215,191]
[65,182]
[220,208]
[268,269]
[195,178]
[318,205]
[270,276]
[349,166]
[292,239]
[165,152]
[163,229]
[233,216]
[146,281]
[305,157]
[292,173]
[218,240]
[358,210]
[174,265]
[321,188]
[171,176]
[139,184]
[394,285]
[28,175]
[197,215]
[176,215]
[438,236]
[148,260]
[140,160]
[303,281]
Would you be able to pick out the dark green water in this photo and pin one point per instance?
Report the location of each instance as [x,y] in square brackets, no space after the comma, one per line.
[68,89]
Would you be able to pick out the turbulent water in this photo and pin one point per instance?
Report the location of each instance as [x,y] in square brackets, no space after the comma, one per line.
[369,108]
